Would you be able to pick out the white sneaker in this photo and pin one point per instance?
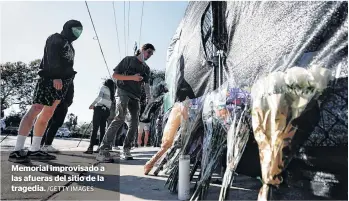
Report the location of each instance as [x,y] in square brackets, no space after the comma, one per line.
[49,149]
[126,155]
[104,157]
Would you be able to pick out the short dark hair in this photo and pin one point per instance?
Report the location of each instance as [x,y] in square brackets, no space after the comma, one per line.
[148,46]
[112,87]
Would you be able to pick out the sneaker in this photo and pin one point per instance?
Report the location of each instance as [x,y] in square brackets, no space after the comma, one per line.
[126,155]
[116,148]
[40,155]
[18,157]
[89,150]
[49,149]
[104,157]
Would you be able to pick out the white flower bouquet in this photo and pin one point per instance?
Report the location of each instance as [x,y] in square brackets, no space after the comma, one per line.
[278,100]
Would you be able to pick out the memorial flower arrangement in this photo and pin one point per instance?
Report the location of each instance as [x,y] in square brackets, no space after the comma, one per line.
[214,112]
[238,132]
[191,109]
[278,100]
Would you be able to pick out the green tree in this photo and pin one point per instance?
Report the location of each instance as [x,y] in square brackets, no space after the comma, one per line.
[14,119]
[85,129]
[17,84]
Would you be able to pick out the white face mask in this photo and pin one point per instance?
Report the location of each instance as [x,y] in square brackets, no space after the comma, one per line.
[77,31]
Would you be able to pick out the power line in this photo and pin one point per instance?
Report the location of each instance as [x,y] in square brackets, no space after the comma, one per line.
[100,47]
[116,28]
[128,24]
[140,29]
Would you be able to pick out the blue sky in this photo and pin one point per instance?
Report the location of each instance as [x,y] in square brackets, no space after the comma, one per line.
[25,27]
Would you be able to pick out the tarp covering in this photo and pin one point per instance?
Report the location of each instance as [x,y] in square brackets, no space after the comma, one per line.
[187,74]
[261,37]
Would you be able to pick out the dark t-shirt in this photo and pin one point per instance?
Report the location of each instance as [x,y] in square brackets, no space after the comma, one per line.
[130,66]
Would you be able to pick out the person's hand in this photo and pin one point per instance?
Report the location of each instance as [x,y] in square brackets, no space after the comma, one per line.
[57,84]
[137,78]
[91,107]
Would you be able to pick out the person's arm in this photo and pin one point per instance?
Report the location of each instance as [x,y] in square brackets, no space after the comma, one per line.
[127,77]
[120,70]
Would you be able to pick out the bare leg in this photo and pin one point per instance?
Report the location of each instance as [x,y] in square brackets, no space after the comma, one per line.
[24,129]
[139,139]
[28,119]
[40,127]
[146,137]
[43,118]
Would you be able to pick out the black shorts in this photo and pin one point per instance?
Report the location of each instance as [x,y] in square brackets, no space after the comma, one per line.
[46,94]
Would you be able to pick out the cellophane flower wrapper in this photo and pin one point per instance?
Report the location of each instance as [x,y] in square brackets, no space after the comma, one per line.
[172,167]
[214,138]
[194,108]
[190,108]
[172,126]
[170,152]
[278,99]
[238,102]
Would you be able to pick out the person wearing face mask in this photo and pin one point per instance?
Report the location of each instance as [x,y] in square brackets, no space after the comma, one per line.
[56,75]
[130,74]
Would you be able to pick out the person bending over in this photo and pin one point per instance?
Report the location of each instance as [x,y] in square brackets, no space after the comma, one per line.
[130,73]
[56,74]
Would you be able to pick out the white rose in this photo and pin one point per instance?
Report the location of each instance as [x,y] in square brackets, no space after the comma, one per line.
[298,76]
[258,91]
[321,77]
[275,83]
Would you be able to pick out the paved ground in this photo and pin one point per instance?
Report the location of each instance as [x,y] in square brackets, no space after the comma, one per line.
[122,180]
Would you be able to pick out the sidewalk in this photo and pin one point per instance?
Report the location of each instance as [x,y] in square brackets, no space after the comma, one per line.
[123,180]
[126,181]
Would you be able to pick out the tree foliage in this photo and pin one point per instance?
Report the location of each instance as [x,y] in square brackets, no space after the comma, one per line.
[14,119]
[85,129]
[17,83]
